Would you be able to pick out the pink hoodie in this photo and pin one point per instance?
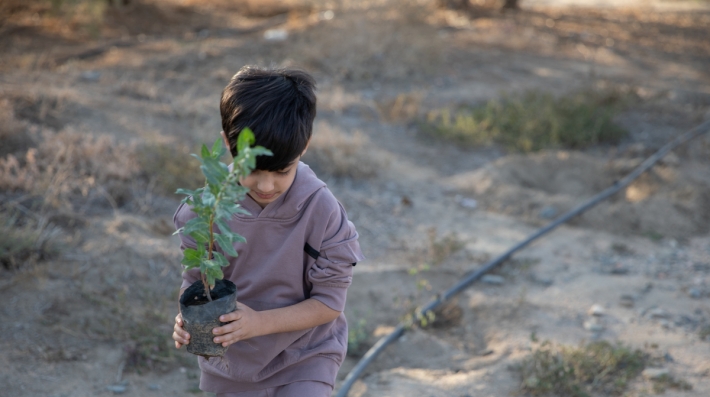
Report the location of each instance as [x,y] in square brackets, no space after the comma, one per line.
[269,273]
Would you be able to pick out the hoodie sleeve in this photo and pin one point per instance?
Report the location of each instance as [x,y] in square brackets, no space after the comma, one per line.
[182,215]
[331,273]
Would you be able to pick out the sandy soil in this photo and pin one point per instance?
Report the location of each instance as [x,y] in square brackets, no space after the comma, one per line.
[147,80]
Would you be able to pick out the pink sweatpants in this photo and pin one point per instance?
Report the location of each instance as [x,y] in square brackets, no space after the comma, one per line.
[295,389]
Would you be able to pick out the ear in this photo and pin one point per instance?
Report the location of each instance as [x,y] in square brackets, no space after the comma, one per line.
[226,141]
[306,148]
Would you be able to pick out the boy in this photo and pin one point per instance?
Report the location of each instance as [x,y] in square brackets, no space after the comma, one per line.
[288,335]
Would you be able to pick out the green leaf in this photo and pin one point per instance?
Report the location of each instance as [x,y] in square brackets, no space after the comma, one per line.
[219,259]
[205,152]
[223,226]
[186,192]
[198,229]
[215,172]
[217,148]
[225,243]
[208,199]
[191,258]
[245,139]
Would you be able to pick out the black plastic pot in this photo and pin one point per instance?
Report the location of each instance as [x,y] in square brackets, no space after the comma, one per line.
[200,316]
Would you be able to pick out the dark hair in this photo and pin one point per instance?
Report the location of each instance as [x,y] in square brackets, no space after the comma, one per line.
[278,105]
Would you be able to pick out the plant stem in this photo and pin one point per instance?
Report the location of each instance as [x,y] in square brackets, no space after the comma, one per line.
[208,289]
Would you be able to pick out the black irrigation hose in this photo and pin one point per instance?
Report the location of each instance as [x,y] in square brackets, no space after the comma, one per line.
[477,274]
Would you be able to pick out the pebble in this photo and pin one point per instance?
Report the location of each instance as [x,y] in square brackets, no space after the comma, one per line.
[91,75]
[593,325]
[695,293]
[544,281]
[548,212]
[596,310]
[492,279]
[154,387]
[468,203]
[626,301]
[655,373]
[658,313]
[117,389]
[276,34]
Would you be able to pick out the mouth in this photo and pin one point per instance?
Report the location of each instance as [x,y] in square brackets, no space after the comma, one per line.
[265,196]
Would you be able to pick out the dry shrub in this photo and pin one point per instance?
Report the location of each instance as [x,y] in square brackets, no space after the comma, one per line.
[337,153]
[387,42]
[598,367]
[68,164]
[159,165]
[24,239]
[12,138]
[404,107]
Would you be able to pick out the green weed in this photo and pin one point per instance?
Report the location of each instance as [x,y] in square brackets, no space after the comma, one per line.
[598,367]
[23,240]
[357,338]
[665,382]
[534,121]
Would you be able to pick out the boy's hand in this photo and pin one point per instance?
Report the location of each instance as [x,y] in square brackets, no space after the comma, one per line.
[244,323]
[180,336]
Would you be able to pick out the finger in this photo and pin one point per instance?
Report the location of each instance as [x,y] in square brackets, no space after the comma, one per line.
[178,319]
[180,340]
[233,316]
[230,338]
[180,332]
[227,328]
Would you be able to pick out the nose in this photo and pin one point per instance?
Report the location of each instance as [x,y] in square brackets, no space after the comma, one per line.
[265,184]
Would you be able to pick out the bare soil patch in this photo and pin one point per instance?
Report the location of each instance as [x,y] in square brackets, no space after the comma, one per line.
[98,113]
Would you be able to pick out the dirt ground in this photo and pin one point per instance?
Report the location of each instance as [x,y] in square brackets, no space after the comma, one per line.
[100,106]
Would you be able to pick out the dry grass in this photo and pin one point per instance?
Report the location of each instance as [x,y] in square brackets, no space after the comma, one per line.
[12,137]
[169,166]
[404,107]
[70,164]
[390,40]
[598,367]
[338,153]
[25,240]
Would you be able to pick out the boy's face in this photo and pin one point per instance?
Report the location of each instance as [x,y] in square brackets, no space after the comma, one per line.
[267,186]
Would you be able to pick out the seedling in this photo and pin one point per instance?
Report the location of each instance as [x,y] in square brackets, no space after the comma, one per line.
[214,204]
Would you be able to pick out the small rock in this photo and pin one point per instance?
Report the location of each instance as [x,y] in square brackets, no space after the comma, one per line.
[670,159]
[544,281]
[154,387]
[468,203]
[655,373]
[548,212]
[658,313]
[486,352]
[596,310]
[183,370]
[276,34]
[91,75]
[695,293]
[619,270]
[666,324]
[492,279]
[593,325]
[117,389]
[626,301]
